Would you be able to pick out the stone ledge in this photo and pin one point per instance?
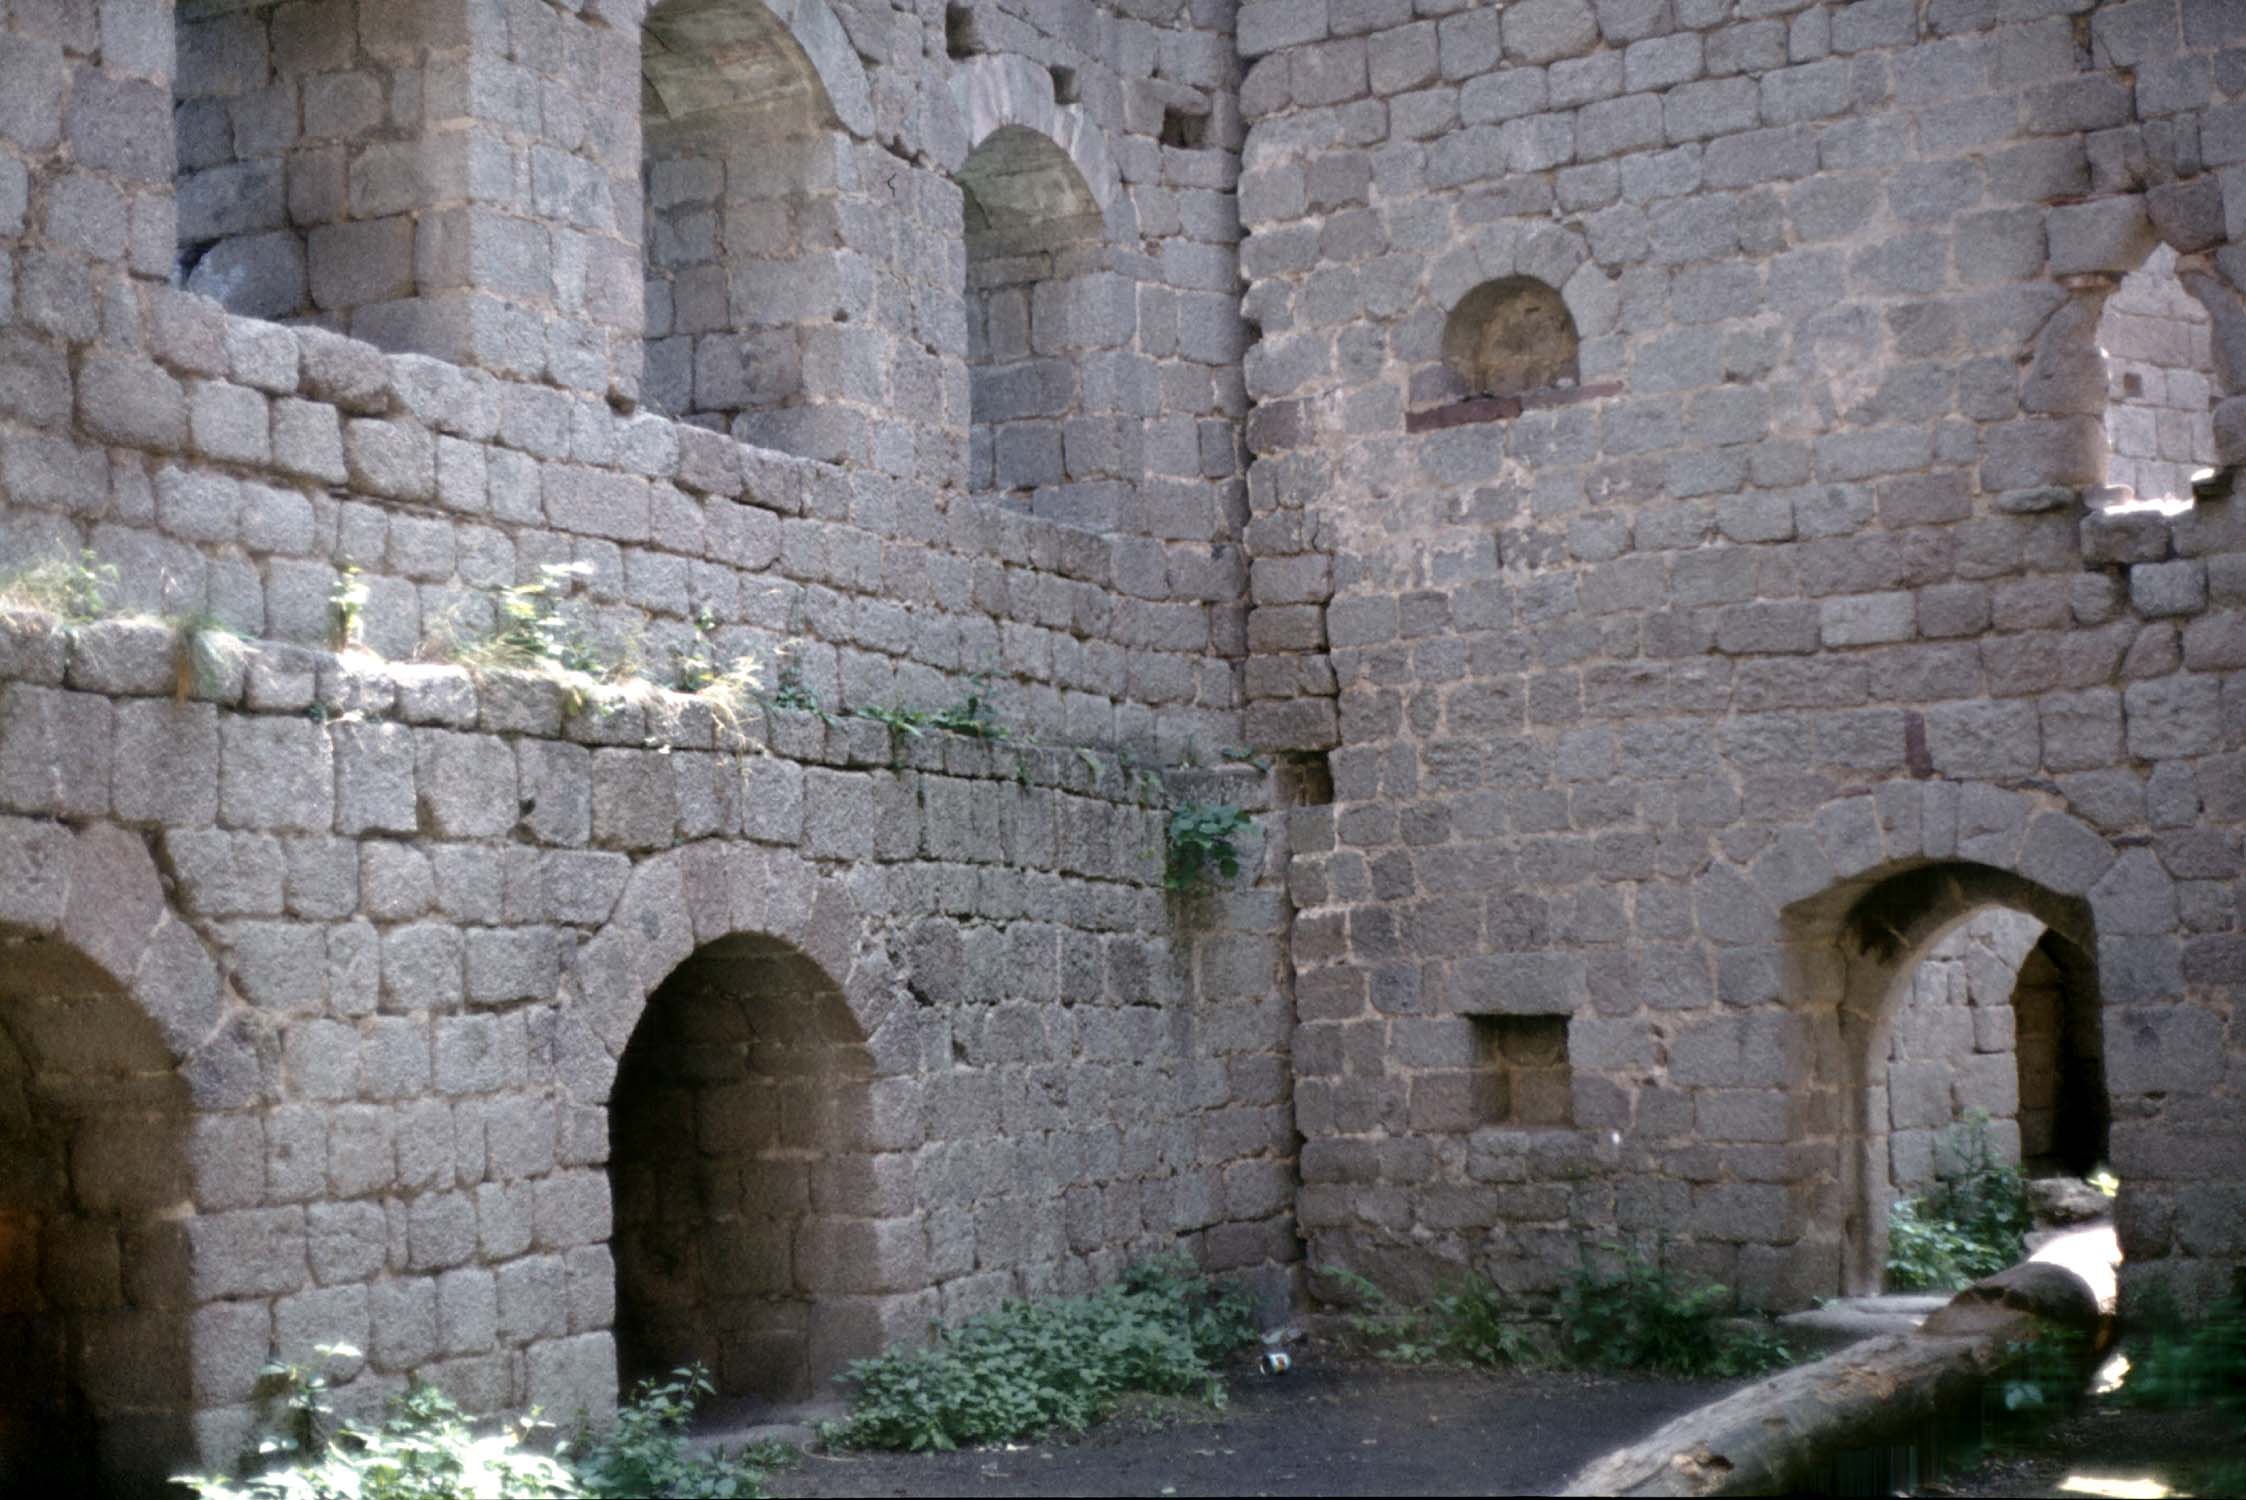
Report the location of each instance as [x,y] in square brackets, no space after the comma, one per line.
[1504,408]
[279,679]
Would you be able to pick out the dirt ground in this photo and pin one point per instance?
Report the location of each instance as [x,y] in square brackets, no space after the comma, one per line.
[2102,1441]
[1324,1429]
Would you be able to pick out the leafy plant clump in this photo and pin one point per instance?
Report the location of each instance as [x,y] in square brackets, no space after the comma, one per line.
[424,1449]
[699,670]
[1199,844]
[427,1449]
[1973,1224]
[534,632]
[1639,1317]
[974,716]
[645,1453]
[1061,1362]
[1643,1317]
[1468,1323]
[77,590]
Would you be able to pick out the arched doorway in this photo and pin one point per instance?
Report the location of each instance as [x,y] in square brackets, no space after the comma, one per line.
[1858,951]
[95,1385]
[755,1213]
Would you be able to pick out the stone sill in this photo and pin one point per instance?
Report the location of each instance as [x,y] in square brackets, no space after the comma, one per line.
[1505,408]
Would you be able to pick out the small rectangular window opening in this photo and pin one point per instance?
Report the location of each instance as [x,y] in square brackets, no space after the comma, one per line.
[1185,129]
[960,39]
[1524,1060]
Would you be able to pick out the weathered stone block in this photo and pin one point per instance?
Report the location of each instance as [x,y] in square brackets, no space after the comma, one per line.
[276,774]
[247,1253]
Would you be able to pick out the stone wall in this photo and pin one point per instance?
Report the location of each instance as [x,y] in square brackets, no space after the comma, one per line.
[397,925]
[1642,710]
[451,178]
[1688,701]
[393,922]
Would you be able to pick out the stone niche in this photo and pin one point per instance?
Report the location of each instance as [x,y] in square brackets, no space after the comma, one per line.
[1510,337]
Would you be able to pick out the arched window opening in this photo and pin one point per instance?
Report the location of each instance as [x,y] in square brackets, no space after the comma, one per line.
[1054,427]
[747,282]
[96,1384]
[1512,336]
[297,173]
[2159,427]
[752,1233]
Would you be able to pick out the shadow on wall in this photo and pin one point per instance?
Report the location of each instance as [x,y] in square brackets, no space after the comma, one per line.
[94,1118]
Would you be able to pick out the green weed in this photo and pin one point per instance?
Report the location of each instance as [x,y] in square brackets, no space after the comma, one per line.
[534,632]
[78,590]
[1643,1317]
[2199,1363]
[1639,1317]
[1467,1323]
[424,1449]
[645,1453]
[727,686]
[427,1449]
[975,715]
[347,603]
[1059,1362]
[791,692]
[1971,1225]
[1199,843]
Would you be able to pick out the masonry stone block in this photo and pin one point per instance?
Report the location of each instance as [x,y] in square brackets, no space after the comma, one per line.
[231,1343]
[122,399]
[403,1315]
[2173,716]
[2162,590]
[276,774]
[248,1252]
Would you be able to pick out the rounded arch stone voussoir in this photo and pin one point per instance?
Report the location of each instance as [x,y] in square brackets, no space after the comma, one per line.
[818,33]
[993,92]
[684,900]
[97,891]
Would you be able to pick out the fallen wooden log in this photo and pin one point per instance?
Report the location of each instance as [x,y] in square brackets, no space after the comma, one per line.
[1778,1434]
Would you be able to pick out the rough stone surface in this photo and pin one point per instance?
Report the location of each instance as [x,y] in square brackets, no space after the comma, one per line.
[1624,754]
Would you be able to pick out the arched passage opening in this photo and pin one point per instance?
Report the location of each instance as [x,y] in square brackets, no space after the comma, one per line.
[96,1383]
[1054,418]
[757,1218]
[755,307]
[1904,1056]
[1994,1037]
